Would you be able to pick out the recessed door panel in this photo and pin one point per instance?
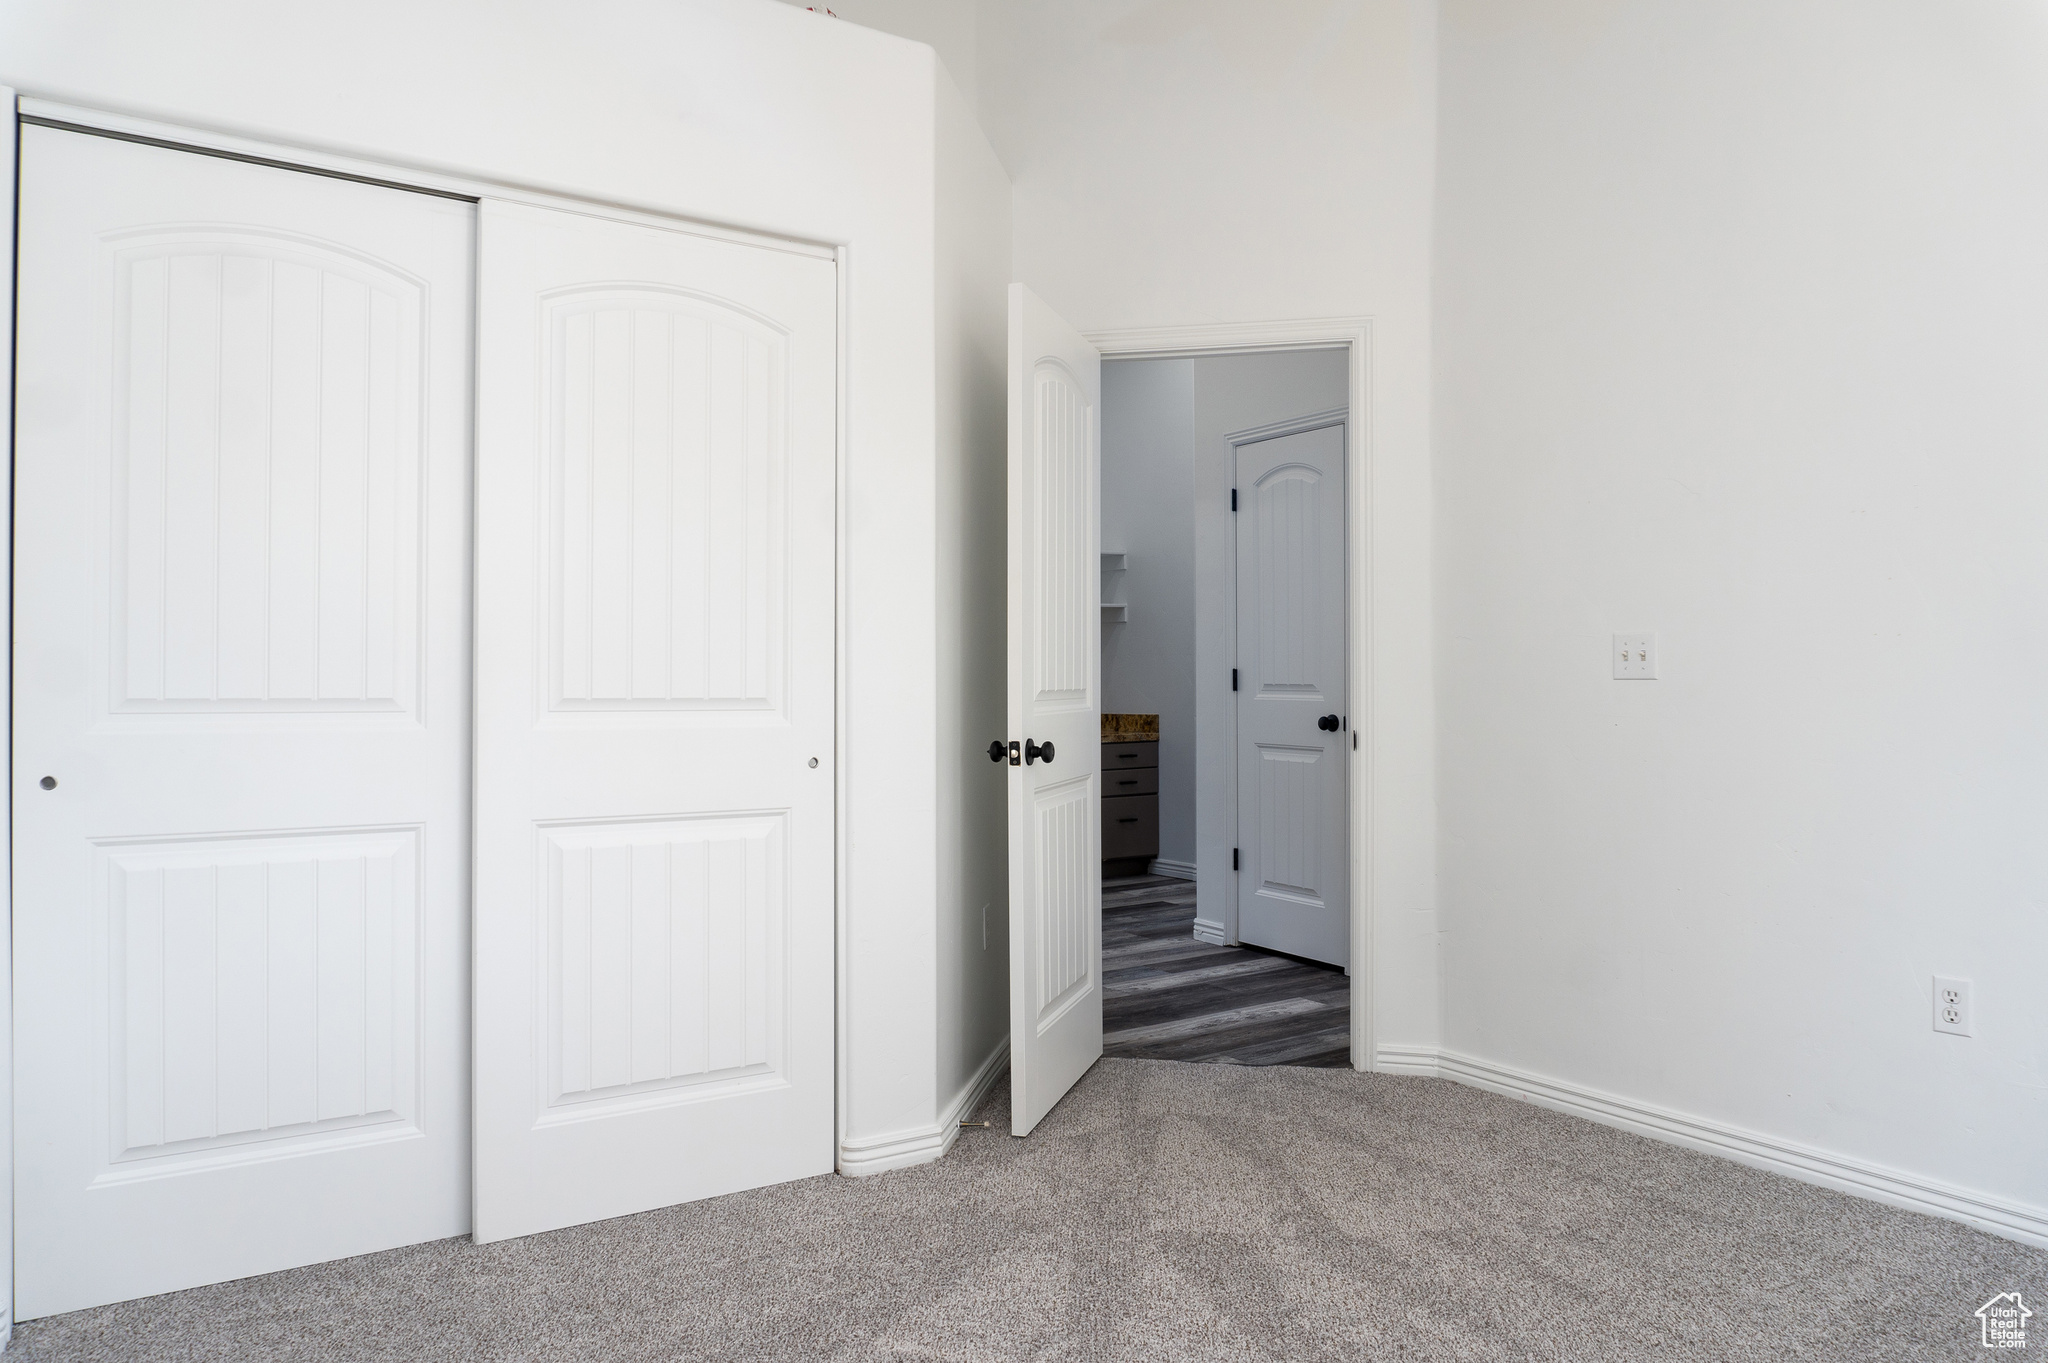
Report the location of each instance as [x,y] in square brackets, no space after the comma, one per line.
[667,418]
[266,466]
[668,956]
[241,719]
[259,992]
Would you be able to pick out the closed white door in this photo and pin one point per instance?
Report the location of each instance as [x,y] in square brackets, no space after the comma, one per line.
[241,727]
[1293,731]
[1055,709]
[655,531]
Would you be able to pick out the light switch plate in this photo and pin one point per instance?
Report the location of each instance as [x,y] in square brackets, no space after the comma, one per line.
[1635,657]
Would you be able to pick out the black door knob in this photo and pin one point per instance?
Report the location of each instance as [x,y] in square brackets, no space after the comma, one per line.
[1037,752]
[995,751]
[1328,724]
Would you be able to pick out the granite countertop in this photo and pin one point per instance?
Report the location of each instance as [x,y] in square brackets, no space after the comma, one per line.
[1130,728]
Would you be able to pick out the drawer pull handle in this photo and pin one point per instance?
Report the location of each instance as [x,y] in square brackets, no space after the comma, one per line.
[1126,757]
[1127,783]
[1132,819]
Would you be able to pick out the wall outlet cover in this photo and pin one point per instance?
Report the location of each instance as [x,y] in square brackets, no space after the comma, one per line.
[1635,657]
[1951,1005]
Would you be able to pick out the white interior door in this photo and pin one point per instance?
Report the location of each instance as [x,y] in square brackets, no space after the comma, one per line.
[241,719]
[1055,708]
[655,635]
[1293,731]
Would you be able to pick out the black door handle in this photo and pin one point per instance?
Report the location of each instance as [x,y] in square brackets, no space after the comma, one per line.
[995,751]
[1328,724]
[1037,752]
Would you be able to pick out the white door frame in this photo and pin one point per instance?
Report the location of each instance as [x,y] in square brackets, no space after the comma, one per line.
[1353,334]
[206,141]
[10,136]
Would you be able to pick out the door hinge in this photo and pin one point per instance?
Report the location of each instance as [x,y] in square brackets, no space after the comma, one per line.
[1233,499]
[1233,858]
[1233,679]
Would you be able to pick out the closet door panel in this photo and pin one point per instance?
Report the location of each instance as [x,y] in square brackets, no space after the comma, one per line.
[654,970]
[242,569]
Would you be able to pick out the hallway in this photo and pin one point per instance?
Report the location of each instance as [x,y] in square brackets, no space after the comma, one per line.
[1167,996]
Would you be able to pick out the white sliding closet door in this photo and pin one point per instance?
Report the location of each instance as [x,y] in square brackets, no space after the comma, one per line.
[241,719]
[655,523]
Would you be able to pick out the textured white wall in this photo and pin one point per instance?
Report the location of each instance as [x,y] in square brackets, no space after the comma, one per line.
[949,27]
[1148,513]
[1740,340]
[7,171]
[973,255]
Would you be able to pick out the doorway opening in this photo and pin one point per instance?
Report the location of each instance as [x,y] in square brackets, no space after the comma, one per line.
[1227,733]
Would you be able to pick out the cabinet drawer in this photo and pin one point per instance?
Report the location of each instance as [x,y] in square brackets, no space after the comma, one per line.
[1130,826]
[1130,781]
[1127,755]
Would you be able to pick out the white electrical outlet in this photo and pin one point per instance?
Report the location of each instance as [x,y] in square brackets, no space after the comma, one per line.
[1635,657]
[1951,1006]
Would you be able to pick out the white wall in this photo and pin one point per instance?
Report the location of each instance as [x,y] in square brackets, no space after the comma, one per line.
[733,110]
[948,27]
[973,267]
[1148,514]
[1740,340]
[1236,393]
[1188,161]
[8,132]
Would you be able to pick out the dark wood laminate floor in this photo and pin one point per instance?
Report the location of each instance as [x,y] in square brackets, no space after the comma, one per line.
[1167,996]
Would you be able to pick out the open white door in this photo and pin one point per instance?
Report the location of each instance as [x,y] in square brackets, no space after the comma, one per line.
[654,811]
[1055,740]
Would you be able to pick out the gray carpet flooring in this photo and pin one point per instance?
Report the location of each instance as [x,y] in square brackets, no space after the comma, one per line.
[1164,1211]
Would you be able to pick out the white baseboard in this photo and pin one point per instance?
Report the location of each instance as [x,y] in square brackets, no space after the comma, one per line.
[1845,1173]
[922,1145]
[1179,870]
[1209,930]
[1406,1060]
